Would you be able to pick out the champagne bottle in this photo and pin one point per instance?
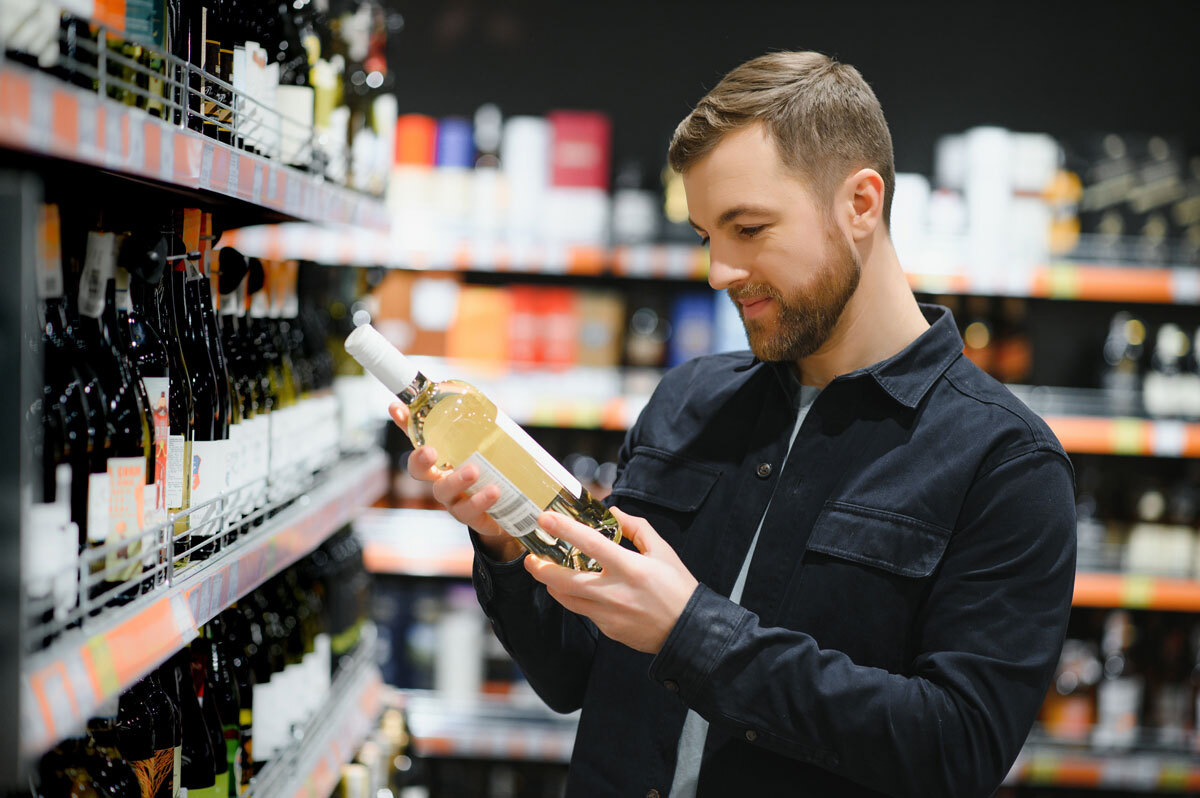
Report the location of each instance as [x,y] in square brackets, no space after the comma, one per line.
[465,427]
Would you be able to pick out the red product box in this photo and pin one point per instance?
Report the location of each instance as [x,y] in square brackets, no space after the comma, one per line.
[558,323]
[582,149]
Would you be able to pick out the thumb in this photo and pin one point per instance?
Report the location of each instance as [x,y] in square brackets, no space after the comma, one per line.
[638,531]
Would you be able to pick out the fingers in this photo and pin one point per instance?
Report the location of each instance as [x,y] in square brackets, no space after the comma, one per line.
[422,464]
[637,530]
[584,538]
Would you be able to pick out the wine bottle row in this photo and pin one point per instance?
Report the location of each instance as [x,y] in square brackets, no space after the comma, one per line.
[207,721]
[296,81]
[186,398]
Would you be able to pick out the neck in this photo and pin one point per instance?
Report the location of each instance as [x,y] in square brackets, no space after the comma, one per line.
[880,320]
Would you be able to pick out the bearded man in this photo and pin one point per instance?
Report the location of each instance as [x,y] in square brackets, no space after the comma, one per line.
[855,551]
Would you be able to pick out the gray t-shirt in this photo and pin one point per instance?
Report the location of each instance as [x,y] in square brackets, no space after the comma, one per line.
[695,728]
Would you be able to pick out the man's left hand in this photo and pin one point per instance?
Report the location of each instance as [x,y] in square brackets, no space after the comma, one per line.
[637,598]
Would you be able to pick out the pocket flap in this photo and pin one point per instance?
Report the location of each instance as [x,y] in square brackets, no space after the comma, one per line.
[895,543]
[665,479]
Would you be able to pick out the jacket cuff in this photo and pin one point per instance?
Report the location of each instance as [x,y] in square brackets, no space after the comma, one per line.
[696,643]
[492,577]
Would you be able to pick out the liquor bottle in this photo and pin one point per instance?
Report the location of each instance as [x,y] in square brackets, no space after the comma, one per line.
[201,654]
[180,408]
[235,454]
[143,345]
[1119,694]
[1161,385]
[465,427]
[1123,349]
[122,496]
[146,735]
[208,471]
[243,385]
[233,630]
[102,732]
[227,697]
[198,765]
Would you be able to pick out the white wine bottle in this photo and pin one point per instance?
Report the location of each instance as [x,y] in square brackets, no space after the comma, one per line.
[465,427]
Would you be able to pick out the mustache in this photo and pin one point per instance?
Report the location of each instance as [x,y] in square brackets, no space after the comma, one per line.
[750,292]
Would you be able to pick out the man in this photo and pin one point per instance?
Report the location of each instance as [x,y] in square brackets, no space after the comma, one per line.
[856,550]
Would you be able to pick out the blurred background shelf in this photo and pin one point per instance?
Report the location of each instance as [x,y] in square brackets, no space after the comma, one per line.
[1045,763]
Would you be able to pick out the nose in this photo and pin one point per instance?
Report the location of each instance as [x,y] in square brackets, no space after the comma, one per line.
[722,272]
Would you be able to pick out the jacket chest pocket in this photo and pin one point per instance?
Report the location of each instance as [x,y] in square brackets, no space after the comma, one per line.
[864,575]
[664,488]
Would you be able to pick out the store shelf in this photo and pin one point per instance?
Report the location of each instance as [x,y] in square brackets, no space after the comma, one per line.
[311,767]
[414,543]
[1051,765]
[1126,436]
[1059,280]
[63,684]
[46,116]
[1136,592]
[512,728]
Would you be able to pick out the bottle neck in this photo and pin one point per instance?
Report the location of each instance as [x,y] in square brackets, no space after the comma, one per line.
[418,386]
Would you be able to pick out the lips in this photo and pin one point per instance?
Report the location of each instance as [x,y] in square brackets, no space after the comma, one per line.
[752,307]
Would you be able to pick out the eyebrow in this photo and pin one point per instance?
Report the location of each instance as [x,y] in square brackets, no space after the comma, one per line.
[731,214]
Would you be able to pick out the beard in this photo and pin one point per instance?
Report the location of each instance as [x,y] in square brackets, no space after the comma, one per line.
[804,319]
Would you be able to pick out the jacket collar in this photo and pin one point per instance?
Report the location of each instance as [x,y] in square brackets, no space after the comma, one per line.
[909,374]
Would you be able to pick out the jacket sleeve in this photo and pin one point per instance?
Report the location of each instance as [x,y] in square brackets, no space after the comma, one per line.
[986,640]
[553,647]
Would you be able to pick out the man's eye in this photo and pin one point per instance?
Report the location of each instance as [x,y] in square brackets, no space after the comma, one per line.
[750,232]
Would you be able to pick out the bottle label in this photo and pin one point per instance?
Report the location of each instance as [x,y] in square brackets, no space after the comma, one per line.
[97,507]
[235,457]
[97,269]
[232,745]
[176,455]
[543,458]
[157,390]
[208,481]
[514,512]
[49,254]
[154,774]
[177,769]
[201,792]
[126,511]
[121,288]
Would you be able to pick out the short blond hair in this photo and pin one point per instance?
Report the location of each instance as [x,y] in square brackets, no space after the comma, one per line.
[822,116]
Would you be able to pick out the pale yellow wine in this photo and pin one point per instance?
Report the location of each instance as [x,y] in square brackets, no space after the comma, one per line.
[465,427]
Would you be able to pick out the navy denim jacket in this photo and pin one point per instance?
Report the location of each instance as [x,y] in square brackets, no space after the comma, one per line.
[905,606]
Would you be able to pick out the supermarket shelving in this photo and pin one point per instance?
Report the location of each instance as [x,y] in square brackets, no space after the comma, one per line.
[1064,280]
[1044,763]
[310,767]
[1134,591]
[486,726]
[62,684]
[49,117]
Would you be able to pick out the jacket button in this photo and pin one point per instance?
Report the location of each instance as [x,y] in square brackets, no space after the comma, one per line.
[652,794]
[751,735]
[671,685]
[763,470]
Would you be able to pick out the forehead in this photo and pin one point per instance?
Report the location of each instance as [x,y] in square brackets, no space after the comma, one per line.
[744,168]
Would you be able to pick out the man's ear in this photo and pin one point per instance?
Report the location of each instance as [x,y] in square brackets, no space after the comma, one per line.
[862,194]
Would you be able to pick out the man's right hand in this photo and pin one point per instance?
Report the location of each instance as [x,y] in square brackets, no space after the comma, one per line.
[449,489]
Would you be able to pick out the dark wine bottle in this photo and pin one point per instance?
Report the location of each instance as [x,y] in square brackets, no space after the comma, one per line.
[146,735]
[201,655]
[130,449]
[228,699]
[181,410]
[198,765]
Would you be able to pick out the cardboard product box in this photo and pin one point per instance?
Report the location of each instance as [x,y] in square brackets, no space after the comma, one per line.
[693,320]
[524,350]
[415,311]
[601,324]
[558,325]
[480,328]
